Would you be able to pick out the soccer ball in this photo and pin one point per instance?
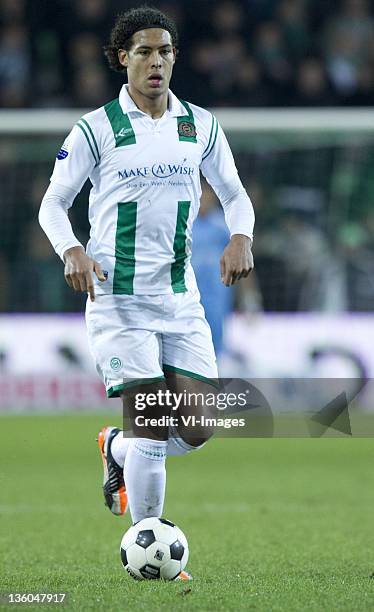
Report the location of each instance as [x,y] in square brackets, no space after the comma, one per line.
[154,548]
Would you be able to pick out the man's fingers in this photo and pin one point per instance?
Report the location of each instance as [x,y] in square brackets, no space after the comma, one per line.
[233,278]
[76,283]
[228,278]
[68,280]
[225,273]
[223,269]
[90,286]
[98,271]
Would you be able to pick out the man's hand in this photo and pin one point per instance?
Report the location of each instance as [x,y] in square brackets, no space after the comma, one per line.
[78,271]
[237,259]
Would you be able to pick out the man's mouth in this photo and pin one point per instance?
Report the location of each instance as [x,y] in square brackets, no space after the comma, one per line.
[155,79]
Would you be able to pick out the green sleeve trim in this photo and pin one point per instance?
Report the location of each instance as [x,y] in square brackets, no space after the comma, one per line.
[211,381]
[213,143]
[93,136]
[115,391]
[210,135]
[88,140]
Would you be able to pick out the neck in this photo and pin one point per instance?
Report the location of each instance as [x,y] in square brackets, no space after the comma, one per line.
[155,107]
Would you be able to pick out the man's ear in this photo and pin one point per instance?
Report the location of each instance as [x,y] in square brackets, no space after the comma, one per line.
[123,57]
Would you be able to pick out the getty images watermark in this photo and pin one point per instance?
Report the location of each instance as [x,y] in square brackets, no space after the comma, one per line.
[184,403]
[263,408]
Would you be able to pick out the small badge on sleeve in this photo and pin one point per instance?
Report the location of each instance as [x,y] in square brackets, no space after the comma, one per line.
[62,154]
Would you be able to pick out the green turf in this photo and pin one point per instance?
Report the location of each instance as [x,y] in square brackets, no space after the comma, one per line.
[272,524]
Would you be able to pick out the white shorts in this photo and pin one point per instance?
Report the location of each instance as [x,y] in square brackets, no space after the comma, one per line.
[139,337]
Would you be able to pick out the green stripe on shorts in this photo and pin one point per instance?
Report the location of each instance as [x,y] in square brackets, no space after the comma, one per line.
[116,390]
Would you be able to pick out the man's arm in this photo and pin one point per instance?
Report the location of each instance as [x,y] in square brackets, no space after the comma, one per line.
[74,164]
[54,220]
[220,171]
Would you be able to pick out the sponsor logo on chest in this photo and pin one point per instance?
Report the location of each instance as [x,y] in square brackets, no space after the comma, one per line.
[159,170]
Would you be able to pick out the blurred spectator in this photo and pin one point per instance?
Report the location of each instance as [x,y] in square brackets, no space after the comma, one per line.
[14,66]
[349,36]
[85,49]
[270,50]
[292,15]
[227,18]
[248,88]
[294,254]
[91,16]
[13,12]
[312,87]
[356,242]
[90,86]
[38,282]
[4,284]
[232,52]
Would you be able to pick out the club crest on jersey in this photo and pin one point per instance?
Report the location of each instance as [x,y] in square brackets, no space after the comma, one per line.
[62,154]
[187,129]
[115,363]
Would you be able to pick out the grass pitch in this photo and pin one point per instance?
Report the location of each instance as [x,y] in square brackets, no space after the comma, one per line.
[283,525]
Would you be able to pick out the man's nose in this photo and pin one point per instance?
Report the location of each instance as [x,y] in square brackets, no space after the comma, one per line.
[156,59]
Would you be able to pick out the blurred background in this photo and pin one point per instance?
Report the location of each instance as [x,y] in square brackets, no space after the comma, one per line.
[292,83]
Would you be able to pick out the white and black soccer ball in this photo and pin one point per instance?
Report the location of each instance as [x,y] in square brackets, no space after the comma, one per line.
[154,548]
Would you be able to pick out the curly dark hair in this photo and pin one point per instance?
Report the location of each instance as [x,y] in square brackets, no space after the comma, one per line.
[130,22]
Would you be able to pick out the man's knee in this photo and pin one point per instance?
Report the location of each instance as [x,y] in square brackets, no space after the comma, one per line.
[146,421]
[195,437]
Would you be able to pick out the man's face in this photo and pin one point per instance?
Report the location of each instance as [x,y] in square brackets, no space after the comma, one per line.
[149,62]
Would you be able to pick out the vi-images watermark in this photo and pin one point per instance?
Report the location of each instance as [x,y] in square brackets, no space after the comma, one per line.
[176,402]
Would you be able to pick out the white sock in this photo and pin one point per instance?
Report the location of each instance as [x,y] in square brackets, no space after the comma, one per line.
[119,448]
[177,446]
[145,477]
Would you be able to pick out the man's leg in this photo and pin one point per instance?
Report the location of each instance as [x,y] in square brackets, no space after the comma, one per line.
[182,438]
[198,405]
[144,461]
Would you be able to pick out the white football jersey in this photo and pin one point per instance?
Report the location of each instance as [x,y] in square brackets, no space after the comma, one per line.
[145,195]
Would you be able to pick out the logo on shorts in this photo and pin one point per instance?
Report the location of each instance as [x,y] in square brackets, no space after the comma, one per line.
[187,129]
[115,363]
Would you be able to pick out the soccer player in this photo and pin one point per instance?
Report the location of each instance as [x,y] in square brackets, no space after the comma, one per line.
[143,153]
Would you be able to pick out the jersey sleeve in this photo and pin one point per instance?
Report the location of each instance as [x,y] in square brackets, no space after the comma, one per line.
[218,164]
[218,167]
[77,158]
